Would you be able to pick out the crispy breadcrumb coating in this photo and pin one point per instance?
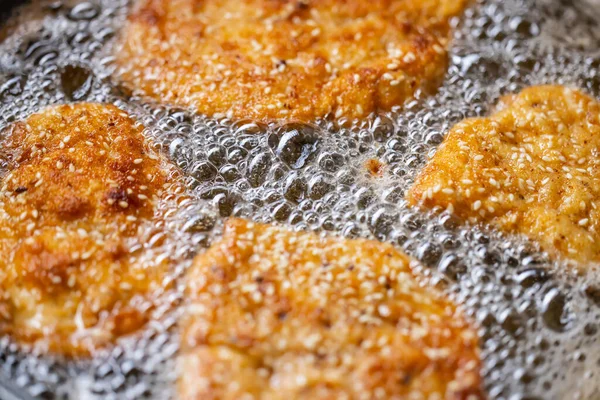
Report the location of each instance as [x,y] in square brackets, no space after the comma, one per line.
[531,168]
[275,314]
[287,59]
[80,228]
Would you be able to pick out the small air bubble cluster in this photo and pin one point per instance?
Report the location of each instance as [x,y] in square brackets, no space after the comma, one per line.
[539,325]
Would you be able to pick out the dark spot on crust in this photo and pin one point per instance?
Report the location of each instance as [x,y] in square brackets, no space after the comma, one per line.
[281,315]
[116,250]
[326,322]
[421,43]
[302,5]
[407,27]
[147,16]
[116,195]
[72,206]
[123,166]
[20,189]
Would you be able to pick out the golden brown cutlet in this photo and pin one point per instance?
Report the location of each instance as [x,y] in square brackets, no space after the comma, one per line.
[80,230]
[287,59]
[531,168]
[275,314]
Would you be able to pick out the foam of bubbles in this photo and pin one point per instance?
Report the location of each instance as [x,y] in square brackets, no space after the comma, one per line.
[539,326]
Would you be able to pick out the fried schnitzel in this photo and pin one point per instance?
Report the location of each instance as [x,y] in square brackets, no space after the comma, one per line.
[80,227]
[531,168]
[288,59]
[275,314]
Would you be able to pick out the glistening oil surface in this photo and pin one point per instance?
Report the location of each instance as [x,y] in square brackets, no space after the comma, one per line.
[539,326]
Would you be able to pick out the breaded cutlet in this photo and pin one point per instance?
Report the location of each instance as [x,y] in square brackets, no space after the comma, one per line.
[276,314]
[272,60]
[80,228]
[531,168]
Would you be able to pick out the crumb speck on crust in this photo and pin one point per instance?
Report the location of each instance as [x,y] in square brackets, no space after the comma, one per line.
[280,315]
[286,60]
[533,168]
[375,167]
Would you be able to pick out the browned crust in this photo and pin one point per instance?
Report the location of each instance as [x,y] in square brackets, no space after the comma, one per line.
[80,193]
[286,60]
[279,315]
[531,168]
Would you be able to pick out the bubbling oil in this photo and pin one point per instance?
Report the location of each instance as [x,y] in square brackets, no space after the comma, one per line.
[539,322]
